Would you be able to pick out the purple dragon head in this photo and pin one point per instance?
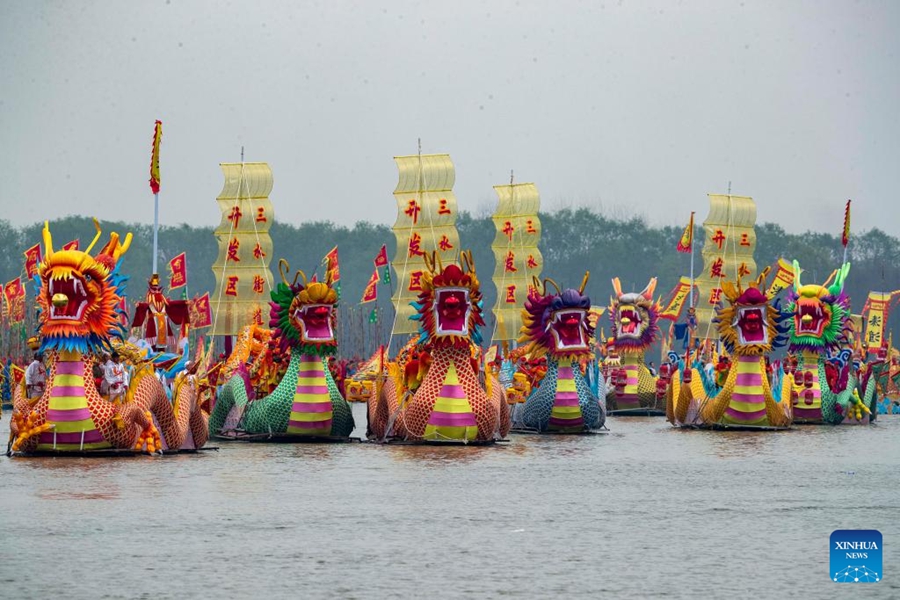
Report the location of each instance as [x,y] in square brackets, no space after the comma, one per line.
[557,323]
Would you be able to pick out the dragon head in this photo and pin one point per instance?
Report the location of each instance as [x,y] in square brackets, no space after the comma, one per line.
[557,323]
[79,294]
[821,313]
[750,325]
[303,314]
[449,306]
[634,317]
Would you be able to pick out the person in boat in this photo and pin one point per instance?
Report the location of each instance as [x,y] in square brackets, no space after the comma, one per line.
[651,368]
[35,377]
[107,366]
[114,374]
[97,373]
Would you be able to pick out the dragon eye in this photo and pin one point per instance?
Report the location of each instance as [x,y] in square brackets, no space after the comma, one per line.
[87,277]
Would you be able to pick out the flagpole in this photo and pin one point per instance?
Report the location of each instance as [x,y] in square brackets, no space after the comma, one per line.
[155,232]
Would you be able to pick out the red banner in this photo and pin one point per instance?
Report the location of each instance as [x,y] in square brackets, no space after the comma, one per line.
[332,269]
[201,315]
[178,270]
[381,260]
[14,295]
[155,178]
[73,245]
[371,291]
[33,258]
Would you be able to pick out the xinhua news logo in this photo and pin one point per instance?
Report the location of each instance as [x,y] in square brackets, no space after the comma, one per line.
[856,556]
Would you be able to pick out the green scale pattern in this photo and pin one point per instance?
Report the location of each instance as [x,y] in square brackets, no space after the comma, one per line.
[272,413]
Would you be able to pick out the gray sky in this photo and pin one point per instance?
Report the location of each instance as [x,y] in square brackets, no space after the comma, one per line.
[641,107]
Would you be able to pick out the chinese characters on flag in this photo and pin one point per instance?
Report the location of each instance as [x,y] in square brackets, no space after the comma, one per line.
[178,268]
[33,258]
[370,294]
[14,295]
[73,245]
[201,314]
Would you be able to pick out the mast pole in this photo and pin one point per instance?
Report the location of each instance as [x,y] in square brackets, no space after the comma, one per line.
[155,232]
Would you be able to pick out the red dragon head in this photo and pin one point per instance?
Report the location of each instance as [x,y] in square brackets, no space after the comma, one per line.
[449,307]
[79,294]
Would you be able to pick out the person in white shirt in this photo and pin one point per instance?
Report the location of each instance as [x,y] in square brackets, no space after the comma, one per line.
[114,375]
[35,377]
[105,364]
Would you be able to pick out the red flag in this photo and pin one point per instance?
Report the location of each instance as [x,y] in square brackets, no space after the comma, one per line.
[371,291]
[155,178]
[687,238]
[845,237]
[73,245]
[332,269]
[178,269]
[201,315]
[14,293]
[381,260]
[32,259]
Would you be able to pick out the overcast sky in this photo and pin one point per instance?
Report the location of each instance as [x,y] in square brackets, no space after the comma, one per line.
[637,107]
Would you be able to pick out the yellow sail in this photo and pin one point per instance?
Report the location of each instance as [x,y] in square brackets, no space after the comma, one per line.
[516,255]
[243,278]
[727,254]
[426,221]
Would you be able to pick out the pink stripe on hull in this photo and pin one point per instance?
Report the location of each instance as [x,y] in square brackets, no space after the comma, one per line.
[452,391]
[62,391]
[807,413]
[312,389]
[309,374]
[75,414]
[751,398]
[749,379]
[73,367]
[745,416]
[565,373]
[311,407]
[325,425]
[452,419]
[566,399]
[90,437]
[566,422]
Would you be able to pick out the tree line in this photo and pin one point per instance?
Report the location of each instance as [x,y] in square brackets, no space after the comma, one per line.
[573,240]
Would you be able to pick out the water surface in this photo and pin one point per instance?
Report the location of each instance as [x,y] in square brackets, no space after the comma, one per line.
[644,511]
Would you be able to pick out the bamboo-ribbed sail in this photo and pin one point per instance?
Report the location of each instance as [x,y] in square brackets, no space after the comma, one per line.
[243,278]
[727,253]
[426,221]
[516,254]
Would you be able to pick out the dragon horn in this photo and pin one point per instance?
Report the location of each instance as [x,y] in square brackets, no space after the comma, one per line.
[761,280]
[283,269]
[469,261]
[96,237]
[48,239]
[298,274]
[537,285]
[830,277]
[797,272]
[587,275]
[550,281]
[648,291]
[838,284]
[429,261]
[617,286]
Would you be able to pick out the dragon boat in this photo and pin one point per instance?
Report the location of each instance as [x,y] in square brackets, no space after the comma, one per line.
[556,327]
[436,391]
[78,295]
[305,405]
[819,327]
[632,389]
[750,326]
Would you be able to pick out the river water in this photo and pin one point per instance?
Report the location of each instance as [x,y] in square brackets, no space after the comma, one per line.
[643,511]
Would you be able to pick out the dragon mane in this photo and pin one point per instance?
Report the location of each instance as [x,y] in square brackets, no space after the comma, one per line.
[437,276]
[537,312]
[103,284]
[739,298]
[835,299]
